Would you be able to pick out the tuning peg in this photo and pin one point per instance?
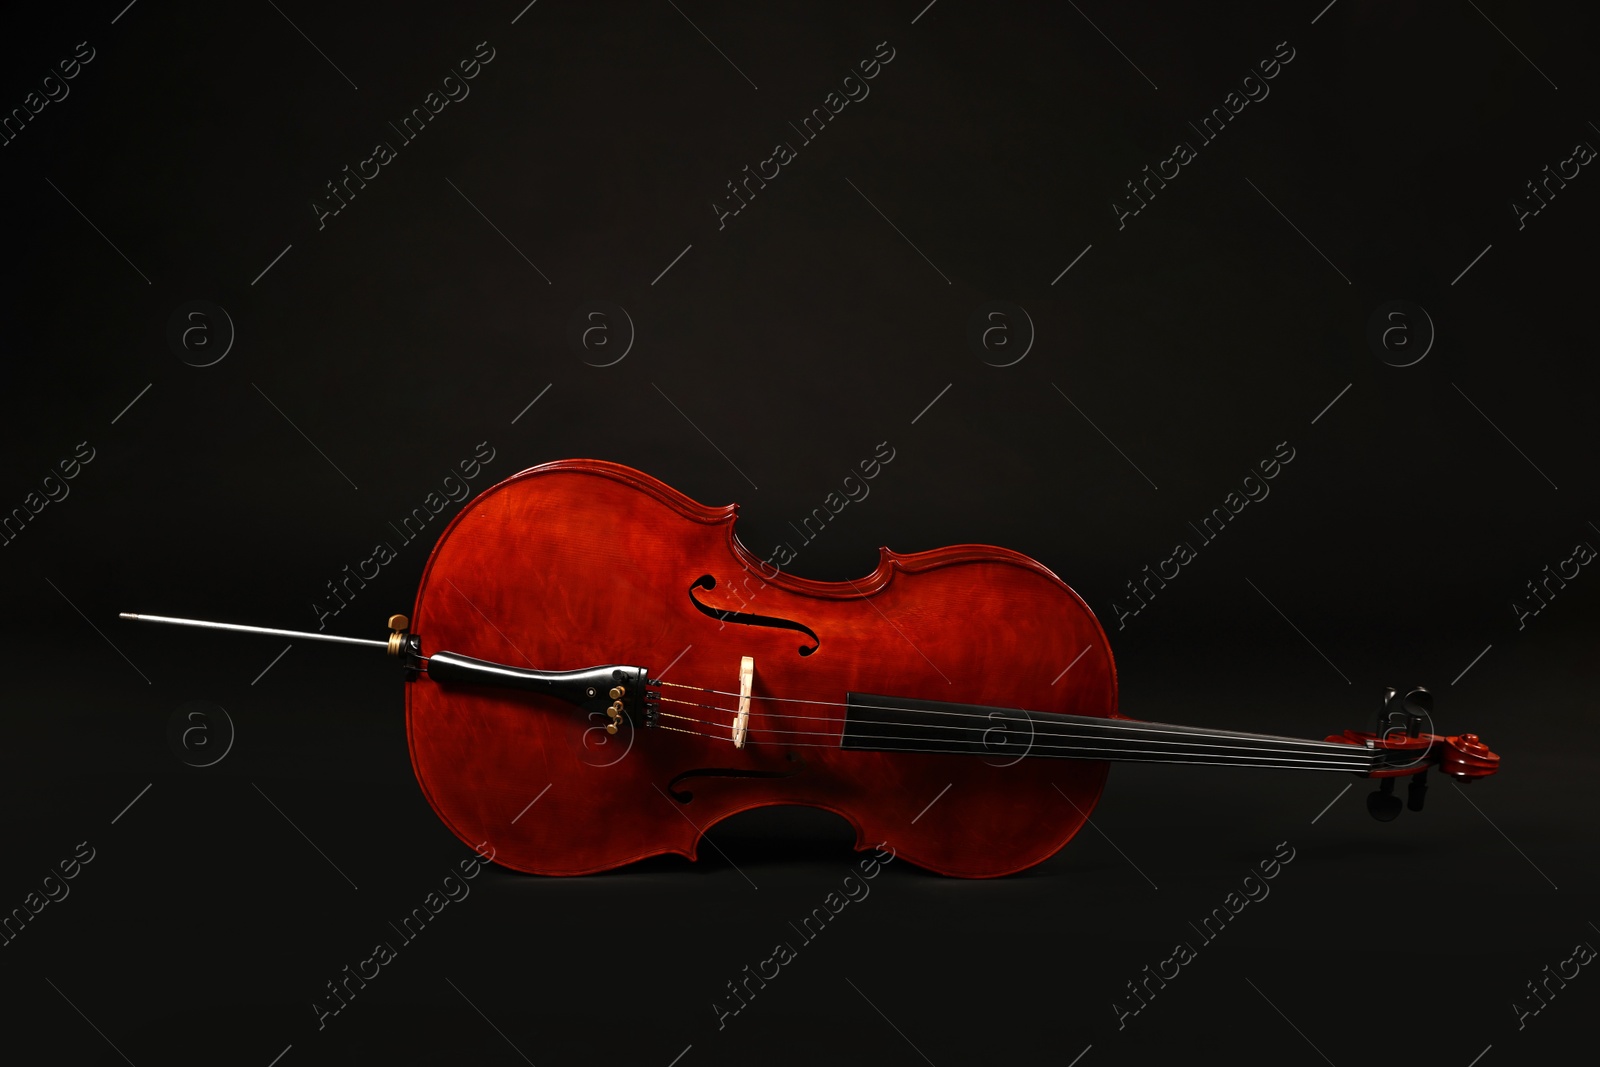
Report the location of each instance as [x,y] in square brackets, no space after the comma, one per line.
[1418,706]
[1417,791]
[1382,804]
[1409,711]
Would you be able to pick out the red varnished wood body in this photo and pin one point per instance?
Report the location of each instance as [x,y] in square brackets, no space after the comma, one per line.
[583,562]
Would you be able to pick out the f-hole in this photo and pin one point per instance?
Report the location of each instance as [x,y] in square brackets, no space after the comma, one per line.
[683,796]
[745,618]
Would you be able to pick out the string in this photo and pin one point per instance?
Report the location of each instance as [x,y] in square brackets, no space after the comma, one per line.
[1109,725]
[1352,766]
[1132,730]
[1348,758]
[1353,756]
[1347,754]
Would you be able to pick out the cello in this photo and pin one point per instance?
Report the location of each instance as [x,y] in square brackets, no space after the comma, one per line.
[597,670]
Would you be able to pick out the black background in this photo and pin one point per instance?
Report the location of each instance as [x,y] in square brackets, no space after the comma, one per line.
[792,341]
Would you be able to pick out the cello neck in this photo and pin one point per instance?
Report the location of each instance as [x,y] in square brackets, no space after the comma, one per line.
[894,724]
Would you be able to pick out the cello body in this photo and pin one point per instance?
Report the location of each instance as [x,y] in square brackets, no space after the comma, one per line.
[582,562]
